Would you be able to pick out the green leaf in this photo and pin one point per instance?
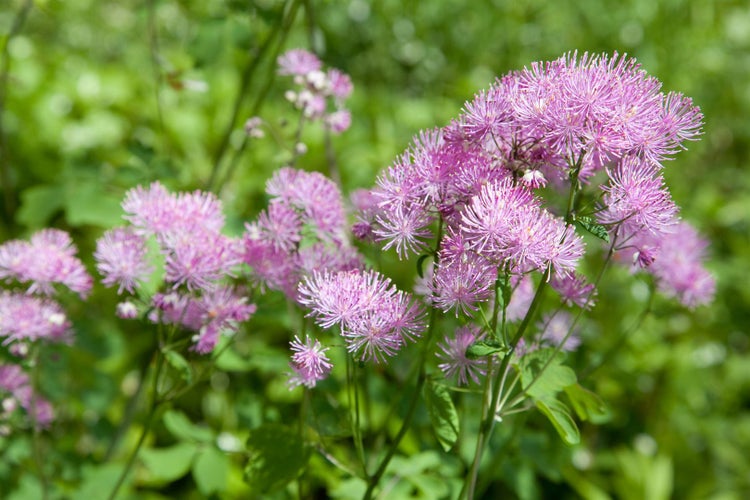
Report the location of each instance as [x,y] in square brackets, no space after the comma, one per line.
[443,414]
[485,348]
[587,405]
[547,383]
[38,204]
[559,415]
[164,465]
[99,480]
[210,471]
[89,203]
[180,426]
[179,363]
[276,456]
[28,487]
[593,227]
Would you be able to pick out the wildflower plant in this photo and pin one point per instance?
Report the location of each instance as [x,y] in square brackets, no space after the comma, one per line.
[510,214]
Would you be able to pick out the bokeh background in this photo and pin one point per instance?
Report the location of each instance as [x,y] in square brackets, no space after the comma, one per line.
[98,96]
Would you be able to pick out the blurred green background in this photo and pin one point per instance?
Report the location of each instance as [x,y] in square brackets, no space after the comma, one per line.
[100,95]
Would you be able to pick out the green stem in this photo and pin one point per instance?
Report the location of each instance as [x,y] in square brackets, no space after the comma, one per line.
[375,478]
[333,169]
[353,394]
[34,411]
[488,417]
[153,407]
[573,324]
[623,337]
[406,423]
[153,41]
[130,411]
[281,29]
[8,194]
[302,419]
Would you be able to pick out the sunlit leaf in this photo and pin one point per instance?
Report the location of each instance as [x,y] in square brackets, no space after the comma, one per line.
[558,414]
[593,227]
[164,465]
[587,405]
[543,376]
[210,470]
[180,426]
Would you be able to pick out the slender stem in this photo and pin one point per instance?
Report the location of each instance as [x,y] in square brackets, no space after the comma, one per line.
[302,418]
[621,340]
[578,316]
[333,169]
[259,99]
[353,393]
[130,411]
[153,407]
[421,379]
[488,418]
[153,41]
[18,22]
[375,478]
[483,435]
[34,411]
[336,463]
[281,29]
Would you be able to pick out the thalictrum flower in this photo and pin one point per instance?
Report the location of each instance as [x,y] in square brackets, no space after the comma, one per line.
[309,362]
[46,259]
[375,318]
[455,363]
[121,257]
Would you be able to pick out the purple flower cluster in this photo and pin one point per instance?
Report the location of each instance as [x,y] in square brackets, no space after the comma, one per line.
[483,176]
[316,87]
[304,229]
[47,259]
[198,261]
[16,392]
[375,318]
[678,269]
[309,363]
[452,353]
[503,183]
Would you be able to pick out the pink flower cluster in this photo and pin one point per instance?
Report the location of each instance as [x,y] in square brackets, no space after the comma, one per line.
[484,175]
[375,318]
[315,88]
[47,259]
[16,392]
[199,261]
[304,229]
[309,363]
[502,181]
[40,265]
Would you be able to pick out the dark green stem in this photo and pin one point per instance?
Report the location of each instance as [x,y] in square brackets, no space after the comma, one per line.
[488,416]
[153,407]
[8,194]
[34,411]
[375,478]
[280,29]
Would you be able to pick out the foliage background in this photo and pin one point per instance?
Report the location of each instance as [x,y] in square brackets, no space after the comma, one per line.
[100,95]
